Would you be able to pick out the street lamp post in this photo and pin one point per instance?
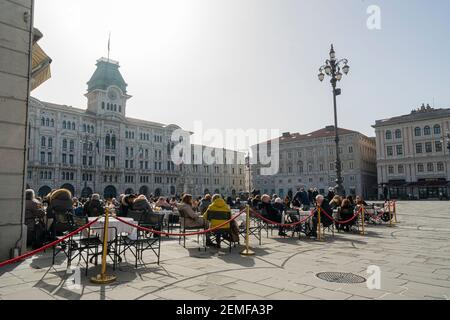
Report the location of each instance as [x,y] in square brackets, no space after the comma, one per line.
[247,165]
[333,68]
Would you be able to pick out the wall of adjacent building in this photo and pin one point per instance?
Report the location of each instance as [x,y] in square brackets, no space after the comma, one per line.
[359,177]
[15,49]
[410,159]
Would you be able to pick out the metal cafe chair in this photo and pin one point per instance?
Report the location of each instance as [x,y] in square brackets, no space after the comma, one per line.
[184,229]
[223,233]
[144,240]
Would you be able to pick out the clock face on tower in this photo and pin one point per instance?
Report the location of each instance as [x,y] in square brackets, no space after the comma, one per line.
[112,94]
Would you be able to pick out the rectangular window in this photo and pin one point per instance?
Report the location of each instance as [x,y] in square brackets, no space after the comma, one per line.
[399,149]
[428,147]
[389,151]
[400,169]
[64,158]
[391,169]
[438,146]
[71,159]
[430,167]
[419,167]
[418,148]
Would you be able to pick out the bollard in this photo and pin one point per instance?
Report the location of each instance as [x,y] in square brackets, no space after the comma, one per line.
[247,251]
[395,211]
[363,213]
[103,278]
[390,214]
[319,236]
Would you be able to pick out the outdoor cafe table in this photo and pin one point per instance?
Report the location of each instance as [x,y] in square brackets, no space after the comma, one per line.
[113,225]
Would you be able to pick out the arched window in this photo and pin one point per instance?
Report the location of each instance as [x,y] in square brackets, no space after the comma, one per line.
[47,122]
[120,108]
[42,121]
[43,142]
[426,131]
[437,129]
[417,132]
[64,124]
[388,135]
[64,145]
[107,141]
[115,107]
[398,134]
[107,106]
[84,128]
[103,105]
[72,145]
[113,142]
[50,142]
[52,123]
[73,125]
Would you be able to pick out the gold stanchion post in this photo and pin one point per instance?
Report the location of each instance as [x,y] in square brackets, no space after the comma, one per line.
[363,213]
[319,236]
[247,251]
[390,214]
[103,278]
[395,212]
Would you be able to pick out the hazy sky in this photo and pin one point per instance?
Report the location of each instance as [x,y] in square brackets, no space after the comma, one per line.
[251,63]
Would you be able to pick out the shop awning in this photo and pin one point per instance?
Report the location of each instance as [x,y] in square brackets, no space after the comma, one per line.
[40,71]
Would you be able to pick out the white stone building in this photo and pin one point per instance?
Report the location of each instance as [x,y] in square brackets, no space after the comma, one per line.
[308,160]
[412,159]
[99,149]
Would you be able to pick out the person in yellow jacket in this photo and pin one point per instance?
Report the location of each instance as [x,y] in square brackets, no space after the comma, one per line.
[221,212]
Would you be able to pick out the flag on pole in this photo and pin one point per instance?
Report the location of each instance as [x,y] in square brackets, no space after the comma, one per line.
[109,44]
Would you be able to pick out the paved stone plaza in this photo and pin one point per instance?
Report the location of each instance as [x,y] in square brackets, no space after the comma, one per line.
[414,257]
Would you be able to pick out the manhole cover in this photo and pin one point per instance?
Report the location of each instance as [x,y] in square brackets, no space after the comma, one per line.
[340,277]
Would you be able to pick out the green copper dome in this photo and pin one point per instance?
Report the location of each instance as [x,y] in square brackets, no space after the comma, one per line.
[106,74]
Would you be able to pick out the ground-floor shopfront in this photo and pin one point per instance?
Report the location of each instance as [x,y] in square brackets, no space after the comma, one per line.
[422,189]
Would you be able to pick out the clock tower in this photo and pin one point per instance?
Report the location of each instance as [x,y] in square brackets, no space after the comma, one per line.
[107,91]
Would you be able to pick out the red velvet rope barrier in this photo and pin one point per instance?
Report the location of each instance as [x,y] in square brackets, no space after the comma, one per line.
[341,222]
[281,224]
[179,234]
[377,216]
[51,244]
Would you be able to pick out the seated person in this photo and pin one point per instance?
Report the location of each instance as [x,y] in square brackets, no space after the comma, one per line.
[141,204]
[360,201]
[256,202]
[219,206]
[94,206]
[204,203]
[126,203]
[59,202]
[77,207]
[163,204]
[190,219]
[34,214]
[345,213]
[325,221]
[279,205]
[335,202]
[271,213]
